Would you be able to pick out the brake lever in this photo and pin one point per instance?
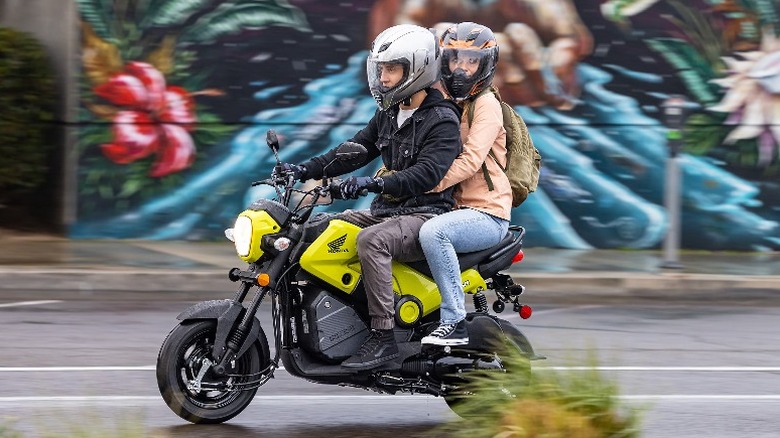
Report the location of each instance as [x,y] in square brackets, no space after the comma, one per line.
[268,182]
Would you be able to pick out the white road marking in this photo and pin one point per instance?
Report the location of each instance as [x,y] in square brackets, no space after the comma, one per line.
[123,400]
[667,369]
[69,369]
[721,369]
[29,303]
[702,397]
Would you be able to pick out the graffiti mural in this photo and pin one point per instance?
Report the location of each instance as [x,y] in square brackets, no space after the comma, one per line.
[177,95]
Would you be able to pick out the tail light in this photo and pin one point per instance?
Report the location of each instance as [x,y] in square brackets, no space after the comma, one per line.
[525,311]
[518,257]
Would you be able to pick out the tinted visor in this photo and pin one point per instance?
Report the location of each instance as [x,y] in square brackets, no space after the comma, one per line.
[472,62]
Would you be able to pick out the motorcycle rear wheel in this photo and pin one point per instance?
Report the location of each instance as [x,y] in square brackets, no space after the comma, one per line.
[180,360]
[458,399]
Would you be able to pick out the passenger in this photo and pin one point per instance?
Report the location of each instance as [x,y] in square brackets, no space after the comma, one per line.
[416,132]
[481,218]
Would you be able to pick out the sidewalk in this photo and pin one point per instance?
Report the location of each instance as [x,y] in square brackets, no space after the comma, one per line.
[183,270]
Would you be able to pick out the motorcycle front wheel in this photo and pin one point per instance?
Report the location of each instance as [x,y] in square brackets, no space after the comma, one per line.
[179,364]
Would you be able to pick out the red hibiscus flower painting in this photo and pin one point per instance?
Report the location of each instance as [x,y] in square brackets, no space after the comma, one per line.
[155,119]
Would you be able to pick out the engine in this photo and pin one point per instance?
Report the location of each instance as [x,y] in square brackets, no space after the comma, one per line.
[328,327]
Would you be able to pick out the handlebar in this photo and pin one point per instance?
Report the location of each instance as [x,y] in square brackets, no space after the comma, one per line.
[283,182]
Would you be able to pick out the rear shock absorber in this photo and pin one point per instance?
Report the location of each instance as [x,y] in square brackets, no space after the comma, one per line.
[480,302]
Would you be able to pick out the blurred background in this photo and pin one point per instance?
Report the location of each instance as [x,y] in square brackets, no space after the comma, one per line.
[146,119]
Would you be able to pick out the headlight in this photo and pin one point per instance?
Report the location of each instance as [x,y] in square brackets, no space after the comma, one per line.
[242,235]
[248,232]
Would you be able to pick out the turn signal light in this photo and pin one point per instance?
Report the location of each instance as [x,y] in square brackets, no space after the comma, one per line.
[525,312]
[518,257]
[263,280]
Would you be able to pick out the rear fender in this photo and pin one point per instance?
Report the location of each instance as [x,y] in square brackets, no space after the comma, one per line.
[518,338]
[487,330]
[227,313]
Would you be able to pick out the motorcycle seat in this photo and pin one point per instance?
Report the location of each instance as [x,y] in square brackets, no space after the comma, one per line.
[472,259]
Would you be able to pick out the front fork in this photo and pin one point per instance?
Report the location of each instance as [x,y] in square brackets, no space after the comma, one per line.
[237,337]
[234,342]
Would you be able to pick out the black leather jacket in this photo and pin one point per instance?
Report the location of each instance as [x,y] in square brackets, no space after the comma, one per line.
[420,152]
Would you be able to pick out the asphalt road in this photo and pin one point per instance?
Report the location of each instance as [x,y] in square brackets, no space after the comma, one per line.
[68,366]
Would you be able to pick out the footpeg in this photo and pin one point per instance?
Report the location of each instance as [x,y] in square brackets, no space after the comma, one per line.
[515,290]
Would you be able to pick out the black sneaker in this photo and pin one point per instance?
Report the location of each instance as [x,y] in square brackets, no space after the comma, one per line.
[448,334]
[379,348]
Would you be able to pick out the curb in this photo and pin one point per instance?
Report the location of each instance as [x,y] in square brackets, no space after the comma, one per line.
[541,288]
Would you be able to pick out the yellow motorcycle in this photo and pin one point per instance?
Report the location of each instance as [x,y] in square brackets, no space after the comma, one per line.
[214,360]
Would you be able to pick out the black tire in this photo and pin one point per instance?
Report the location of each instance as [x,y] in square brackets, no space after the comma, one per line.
[458,397]
[179,358]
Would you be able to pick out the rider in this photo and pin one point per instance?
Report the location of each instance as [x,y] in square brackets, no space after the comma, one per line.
[415,131]
[481,220]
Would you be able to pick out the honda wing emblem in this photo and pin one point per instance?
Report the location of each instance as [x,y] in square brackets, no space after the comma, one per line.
[335,246]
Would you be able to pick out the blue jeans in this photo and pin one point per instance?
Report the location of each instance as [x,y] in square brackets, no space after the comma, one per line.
[441,238]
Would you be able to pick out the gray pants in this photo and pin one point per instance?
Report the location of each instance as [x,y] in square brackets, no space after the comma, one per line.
[382,240]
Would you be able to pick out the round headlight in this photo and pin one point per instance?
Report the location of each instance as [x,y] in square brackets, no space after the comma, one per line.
[242,233]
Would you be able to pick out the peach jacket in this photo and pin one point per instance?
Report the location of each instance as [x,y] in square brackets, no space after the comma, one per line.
[486,133]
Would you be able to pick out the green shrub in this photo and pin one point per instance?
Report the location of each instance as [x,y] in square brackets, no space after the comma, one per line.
[7,431]
[27,97]
[547,403]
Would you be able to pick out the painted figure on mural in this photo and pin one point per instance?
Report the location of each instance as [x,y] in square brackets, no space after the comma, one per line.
[542,41]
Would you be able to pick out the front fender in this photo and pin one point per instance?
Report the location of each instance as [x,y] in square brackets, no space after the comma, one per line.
[227,313]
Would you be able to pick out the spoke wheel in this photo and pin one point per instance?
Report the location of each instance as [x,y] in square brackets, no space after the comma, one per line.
[184,356]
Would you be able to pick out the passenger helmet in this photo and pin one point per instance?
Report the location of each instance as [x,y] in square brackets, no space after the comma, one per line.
[416,49]
[471,40]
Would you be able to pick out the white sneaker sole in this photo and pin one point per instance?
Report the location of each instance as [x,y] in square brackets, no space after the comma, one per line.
[428,340]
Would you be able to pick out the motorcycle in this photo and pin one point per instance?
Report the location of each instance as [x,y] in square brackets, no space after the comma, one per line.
[214,360]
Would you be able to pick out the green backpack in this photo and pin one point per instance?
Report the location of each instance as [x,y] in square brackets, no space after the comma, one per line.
[523,160]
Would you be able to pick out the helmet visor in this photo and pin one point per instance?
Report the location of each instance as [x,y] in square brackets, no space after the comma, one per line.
[384,76]
[469,61]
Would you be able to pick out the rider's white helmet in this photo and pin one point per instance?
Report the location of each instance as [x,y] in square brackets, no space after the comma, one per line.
[416,49]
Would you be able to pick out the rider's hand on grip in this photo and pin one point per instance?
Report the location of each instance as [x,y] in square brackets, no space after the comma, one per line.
[356,186]
[284,169]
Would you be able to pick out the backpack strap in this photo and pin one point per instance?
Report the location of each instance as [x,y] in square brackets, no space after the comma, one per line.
[496,159]
[487,177]
[469,109]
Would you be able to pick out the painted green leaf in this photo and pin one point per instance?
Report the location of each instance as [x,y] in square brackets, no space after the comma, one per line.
[691,66]
[93,14]
[230,20]
[768,12]
[130,187]
[702,140]
[173,12]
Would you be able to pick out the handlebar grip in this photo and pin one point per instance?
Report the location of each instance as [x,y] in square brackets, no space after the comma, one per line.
[335,189]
